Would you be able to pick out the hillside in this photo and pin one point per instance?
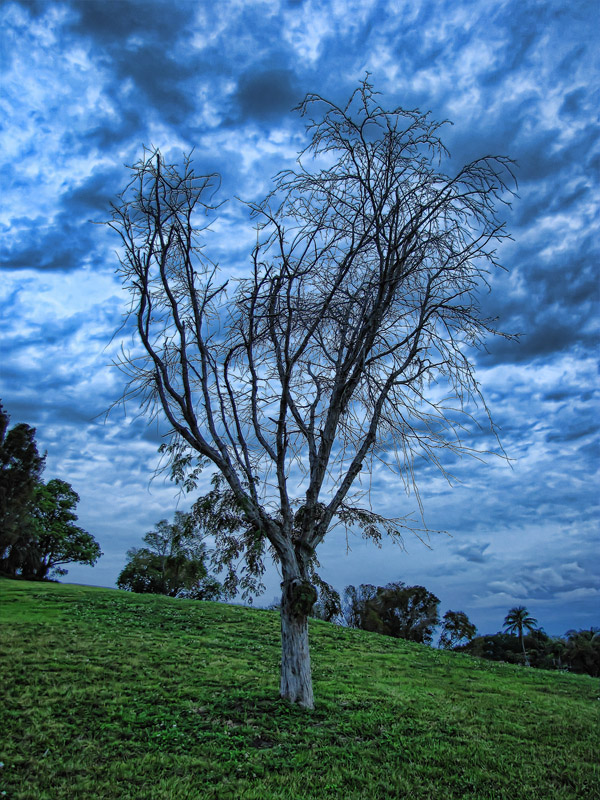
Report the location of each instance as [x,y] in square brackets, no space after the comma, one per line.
[112,695]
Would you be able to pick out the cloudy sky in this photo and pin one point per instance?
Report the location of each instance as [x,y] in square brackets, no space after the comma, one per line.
[86,83]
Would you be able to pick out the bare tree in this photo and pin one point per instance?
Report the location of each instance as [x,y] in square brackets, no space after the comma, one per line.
[362,294]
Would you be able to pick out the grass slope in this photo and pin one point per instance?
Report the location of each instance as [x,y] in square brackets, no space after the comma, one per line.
[113,695]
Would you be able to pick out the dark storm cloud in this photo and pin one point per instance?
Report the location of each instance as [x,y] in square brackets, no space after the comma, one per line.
[143,41]
[543,334]
[523,125]
[560,395]
[35,8]
[142,50]
[265,93]
[70,241]
[149,44]
[552,197]
[578,429]
[552,298]
[106,135]
[46,358]
[62,331]
[94,195]
[573,101]
[540,156]
[115,23]
[555,172]
[66,244]
[571,282]
[38,245]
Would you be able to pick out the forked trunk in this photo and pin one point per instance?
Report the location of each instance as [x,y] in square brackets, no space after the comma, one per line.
[298,597]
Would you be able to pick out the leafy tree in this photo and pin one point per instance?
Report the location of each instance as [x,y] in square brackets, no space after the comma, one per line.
[173,563]
[20,469]
[56,540]
[494,647]
[38,534]
[405,612]
[455,629]
[579,651]
[537,645]
[362,293]
[355,604]
[49,539]
[328,606]
[554,655]
[583,651]
[517,620]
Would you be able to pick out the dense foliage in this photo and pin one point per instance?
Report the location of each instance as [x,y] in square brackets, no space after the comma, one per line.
[172,563]
[404,612]
[577,651]
[582,650]
[38,534]
[56,539]
[455,628]
[21,467]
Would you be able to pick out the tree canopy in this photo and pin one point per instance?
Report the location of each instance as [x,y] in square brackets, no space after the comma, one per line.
[21,467]
[518,620]
[582,651]
[57,540]
[173,562]
[362,293]
[456,628]
[404,612]
[38,534]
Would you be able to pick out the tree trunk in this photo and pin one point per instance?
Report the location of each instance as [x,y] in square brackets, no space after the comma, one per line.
[41,571]
[298,598]
[523,646]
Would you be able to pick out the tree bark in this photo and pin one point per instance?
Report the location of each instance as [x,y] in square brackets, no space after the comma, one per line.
[297,599]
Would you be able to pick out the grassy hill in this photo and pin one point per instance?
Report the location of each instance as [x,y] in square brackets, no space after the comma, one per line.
[112,695]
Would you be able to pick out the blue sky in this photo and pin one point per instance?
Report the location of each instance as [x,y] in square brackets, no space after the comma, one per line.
[86,83]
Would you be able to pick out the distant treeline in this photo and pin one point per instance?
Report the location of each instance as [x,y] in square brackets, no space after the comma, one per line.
[175,561]
[412,612]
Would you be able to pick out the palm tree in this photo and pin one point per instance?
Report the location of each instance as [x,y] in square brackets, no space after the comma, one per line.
[514,622]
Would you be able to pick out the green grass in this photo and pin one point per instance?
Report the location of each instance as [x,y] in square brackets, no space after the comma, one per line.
[113,695]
